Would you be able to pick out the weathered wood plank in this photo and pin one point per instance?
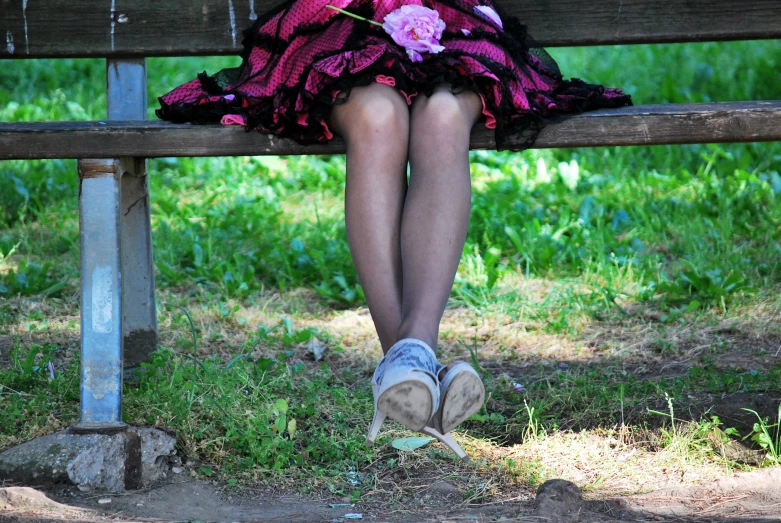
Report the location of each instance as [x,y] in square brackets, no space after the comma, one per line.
[639,125]
[137,28]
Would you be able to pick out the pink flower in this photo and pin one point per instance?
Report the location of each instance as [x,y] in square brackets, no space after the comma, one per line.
[490,14]
[416,28]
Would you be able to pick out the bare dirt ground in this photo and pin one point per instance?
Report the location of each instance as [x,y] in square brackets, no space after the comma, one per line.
[748,497]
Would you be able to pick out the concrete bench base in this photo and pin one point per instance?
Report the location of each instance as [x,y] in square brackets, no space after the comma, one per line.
[126,460]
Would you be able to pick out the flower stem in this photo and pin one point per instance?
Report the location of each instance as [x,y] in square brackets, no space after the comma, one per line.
[329,6]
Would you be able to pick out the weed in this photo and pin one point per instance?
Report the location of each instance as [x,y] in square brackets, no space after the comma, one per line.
[670,412]
[767,436]
[526,471]
[700,284]
[533,429]
[31,278]
[4,256]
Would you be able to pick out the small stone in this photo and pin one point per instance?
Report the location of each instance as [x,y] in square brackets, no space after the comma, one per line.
[104,501]
[443,488]
[177,470]
[317,348]
[84,488]
[557,498]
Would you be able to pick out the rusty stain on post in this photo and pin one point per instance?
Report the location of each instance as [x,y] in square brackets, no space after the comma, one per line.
[97,167]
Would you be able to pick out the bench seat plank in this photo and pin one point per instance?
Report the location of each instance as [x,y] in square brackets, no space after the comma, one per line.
[140,28]
[639,125]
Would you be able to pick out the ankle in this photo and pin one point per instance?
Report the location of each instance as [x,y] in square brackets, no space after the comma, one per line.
[419,333]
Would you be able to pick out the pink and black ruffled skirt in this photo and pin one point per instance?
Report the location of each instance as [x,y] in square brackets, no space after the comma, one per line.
[302,58]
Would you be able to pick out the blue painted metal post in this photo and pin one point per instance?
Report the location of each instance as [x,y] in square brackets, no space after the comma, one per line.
[101,296]
[102,205]
[127,101]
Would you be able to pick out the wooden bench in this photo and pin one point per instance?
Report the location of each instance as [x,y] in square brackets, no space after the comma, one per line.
[117,290]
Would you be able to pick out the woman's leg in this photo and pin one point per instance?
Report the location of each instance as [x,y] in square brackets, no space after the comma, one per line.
[375,124]
[436,211]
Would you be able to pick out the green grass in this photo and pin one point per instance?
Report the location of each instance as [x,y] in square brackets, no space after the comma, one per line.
[660,251]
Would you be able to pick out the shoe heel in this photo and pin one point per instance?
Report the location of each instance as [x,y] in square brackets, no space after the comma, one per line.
[448,440]
[374,428]
[463,395]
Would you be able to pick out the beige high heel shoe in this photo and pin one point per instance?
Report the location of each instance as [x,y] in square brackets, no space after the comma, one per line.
[405,387]
[461,395]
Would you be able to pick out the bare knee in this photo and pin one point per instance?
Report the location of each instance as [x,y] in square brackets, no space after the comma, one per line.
[371,114]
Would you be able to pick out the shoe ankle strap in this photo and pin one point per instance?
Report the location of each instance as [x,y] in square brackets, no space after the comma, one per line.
[412,353]
[415,341]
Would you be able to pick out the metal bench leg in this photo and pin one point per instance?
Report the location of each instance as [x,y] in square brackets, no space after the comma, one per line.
[126,81]
[139,315]
[101,296]
[114,206]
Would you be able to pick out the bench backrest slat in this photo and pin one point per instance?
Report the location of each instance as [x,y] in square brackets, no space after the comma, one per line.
[138,28]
